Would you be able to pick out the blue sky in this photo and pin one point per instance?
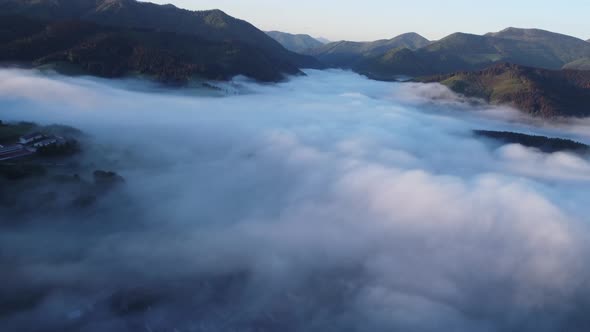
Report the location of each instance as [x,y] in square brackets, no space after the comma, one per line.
[375,19]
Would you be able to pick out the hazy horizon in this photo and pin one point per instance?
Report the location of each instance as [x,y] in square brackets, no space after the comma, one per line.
[343,20]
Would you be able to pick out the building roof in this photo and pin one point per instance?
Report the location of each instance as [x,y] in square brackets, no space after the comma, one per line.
[49,140]
[31,135]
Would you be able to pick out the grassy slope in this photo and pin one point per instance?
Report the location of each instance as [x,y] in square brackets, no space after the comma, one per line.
[539,92]
[580,64]
[10,133]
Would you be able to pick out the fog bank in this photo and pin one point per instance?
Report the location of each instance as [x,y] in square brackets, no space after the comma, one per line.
[326,203]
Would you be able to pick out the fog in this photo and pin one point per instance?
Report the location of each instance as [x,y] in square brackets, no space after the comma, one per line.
[325,203]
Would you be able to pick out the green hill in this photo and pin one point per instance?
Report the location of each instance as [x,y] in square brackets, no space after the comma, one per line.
[347,54]
[566,48]
[538,92]
[458,52]
[210,25]
[580,64]
[461,51]
[114,52]
[296,43]
[543,143]
[393,64]
[385,60]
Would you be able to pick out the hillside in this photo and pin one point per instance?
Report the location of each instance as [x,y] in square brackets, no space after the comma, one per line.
[461,51]
[296,43]
[566,48]
[580,64]
[542,143]
[384,60]
[457,52]
[116,52]
[347,54]
[211,25]
[323,40]
[394,64]
[538,92]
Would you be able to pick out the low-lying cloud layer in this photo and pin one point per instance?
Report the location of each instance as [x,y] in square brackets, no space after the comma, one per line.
[326,203]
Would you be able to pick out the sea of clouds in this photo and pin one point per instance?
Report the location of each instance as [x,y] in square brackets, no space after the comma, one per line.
[329,202]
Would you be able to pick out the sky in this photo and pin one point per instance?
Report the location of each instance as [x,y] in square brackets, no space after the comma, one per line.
[378,19]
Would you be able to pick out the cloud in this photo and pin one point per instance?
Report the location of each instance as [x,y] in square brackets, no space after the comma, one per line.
[328,202]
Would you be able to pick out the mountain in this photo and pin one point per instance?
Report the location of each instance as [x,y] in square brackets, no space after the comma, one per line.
[115,52]
[462,51]
[580,64]
[566,48]
[538,92]
[412,55]
[347,54]
[393,64]
[211,25]
[323,40]
[457,52]
[295,43]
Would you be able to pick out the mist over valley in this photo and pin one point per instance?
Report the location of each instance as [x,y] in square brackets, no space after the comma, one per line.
[326,202]
[170,169]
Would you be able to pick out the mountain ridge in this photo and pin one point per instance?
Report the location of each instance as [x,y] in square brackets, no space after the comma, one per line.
[566,47]
[213,25]
[116,52]
[347,53]
[469,52]
[295,42]
[240,47]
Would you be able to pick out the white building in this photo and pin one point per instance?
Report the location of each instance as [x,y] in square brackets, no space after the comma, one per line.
[46,142]
[30,138]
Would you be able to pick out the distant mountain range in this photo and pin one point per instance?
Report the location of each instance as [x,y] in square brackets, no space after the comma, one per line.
[538,92]
[547,74]
[564,47]
[296,43]
[413,55]
[323,40]
[177,43]
[349,54]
